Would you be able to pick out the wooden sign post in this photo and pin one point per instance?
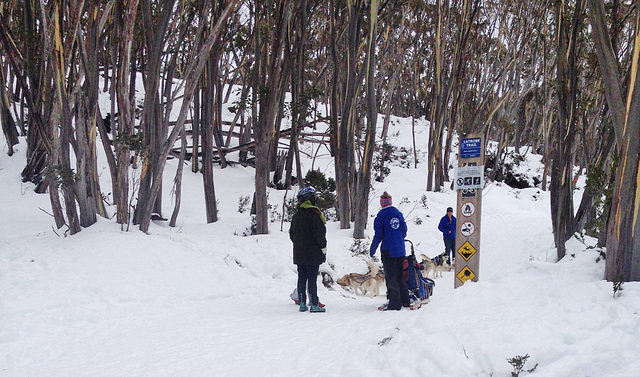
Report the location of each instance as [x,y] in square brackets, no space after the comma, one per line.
[469,180]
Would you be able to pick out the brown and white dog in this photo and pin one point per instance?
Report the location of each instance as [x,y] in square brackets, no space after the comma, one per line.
[368,283]
[429,265]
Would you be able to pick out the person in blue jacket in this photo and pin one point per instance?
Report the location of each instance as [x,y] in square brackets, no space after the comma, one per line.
[391,229]
[448,228]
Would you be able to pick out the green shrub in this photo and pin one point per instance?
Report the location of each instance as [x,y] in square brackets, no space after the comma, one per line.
[325,189]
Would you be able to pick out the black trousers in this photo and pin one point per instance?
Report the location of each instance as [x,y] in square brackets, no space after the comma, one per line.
[307,280]
[449,245]
[397,291]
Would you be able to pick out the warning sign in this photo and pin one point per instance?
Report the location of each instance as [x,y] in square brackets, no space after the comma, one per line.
[468,209]
[469,177]
[468,193]
[467,228]
[468,180]
[466,274]
[467,250]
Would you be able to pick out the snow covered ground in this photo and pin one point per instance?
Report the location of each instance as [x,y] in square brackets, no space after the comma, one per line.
[205,300]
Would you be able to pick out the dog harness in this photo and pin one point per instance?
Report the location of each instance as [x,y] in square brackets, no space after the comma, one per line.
[358,278]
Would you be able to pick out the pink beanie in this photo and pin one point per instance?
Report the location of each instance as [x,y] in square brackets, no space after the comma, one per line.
[385,200]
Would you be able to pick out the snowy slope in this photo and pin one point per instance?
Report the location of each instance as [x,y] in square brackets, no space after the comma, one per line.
[204,300]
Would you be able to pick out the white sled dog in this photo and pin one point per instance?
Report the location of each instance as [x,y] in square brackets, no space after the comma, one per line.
[368,283]
[429,265]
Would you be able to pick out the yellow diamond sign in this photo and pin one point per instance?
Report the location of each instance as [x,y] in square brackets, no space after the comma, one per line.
[466,274]
[467,250]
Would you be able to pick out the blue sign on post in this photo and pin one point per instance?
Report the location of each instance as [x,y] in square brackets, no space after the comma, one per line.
[470,148]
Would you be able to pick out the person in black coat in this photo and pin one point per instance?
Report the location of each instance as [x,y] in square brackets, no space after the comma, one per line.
[308,233]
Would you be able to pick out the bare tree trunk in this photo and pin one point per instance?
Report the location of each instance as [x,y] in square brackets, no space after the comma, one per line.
[54,187]
[623,233]
[88,185]
[9,127]
[125,122]
[207,111]
[364,175]
[63,165]
[245,137]
[299,103]
[345,133]
[437,112]
[85,165]
[192,75]
[272,78]
[177,182]
[31,73]
[562,214]
[153,124]
[340,159]
[195,132]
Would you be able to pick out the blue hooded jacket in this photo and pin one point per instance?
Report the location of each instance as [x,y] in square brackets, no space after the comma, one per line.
[448,227]
[391,229]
